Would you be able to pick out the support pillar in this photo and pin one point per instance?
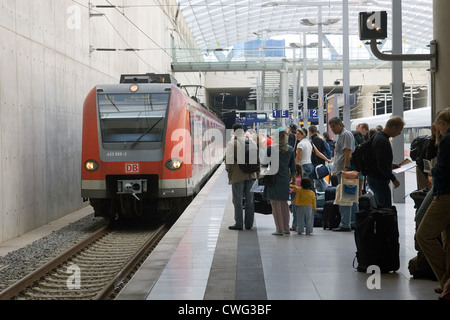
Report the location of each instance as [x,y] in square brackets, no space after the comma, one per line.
[397,96]
[440,80]
[346,65]
[284,98]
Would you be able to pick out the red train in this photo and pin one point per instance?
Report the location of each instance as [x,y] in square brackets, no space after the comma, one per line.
[147,146]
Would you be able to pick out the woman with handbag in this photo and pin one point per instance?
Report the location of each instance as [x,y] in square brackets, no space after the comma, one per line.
[279,192]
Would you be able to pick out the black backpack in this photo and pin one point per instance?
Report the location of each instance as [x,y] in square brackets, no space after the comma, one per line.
[362,157]
[418,147]
[252,163]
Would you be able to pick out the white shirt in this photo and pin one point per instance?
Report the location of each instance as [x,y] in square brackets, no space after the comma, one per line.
[306,148]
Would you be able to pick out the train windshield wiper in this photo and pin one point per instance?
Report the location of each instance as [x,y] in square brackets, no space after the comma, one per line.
[146,131]
[112,102]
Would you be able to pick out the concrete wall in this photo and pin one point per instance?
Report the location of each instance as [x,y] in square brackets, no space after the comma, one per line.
[46,71]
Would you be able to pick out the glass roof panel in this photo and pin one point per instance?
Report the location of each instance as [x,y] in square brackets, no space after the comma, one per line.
[209,20]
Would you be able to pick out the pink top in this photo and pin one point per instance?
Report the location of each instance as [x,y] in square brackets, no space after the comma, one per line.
[298,180]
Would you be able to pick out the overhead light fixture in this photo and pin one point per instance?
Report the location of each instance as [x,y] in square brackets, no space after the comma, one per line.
[308,22]
[271,4]
[314,3]
[312,22]
[330,22]
[299,45]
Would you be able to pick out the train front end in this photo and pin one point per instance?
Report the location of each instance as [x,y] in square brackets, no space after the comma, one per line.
[125,139]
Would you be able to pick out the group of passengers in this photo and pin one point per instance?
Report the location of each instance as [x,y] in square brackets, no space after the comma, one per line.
[296,182]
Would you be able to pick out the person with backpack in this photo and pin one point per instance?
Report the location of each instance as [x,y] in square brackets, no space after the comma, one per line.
[417,153]
[331,144]
[380,175]
[241,182]
[320,183]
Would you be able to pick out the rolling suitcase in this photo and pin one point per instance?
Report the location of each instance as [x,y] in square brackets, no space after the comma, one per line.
[262,205]
[318,215]
[330,193]
[418,196]
[376,238]
[366,201]
[334,181]
[330,215]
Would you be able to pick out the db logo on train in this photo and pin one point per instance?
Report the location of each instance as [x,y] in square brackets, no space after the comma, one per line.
[132,168]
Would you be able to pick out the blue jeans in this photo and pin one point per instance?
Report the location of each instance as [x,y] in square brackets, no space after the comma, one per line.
[294,210]
[381,191]
[308,172]
[347,212]
[305,218]
[240,190]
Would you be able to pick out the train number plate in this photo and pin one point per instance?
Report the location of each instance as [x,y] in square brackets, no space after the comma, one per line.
[132,168]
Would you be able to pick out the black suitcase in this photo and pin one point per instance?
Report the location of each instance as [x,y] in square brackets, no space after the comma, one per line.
[318,214]
[331,218]
[262,205]
[330,193]
[334,181]
[366,201]
[376,238]
[418,196]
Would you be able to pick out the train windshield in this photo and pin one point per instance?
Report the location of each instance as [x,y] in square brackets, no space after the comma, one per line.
[132,117]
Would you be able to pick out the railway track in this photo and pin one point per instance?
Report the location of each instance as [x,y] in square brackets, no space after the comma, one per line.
[94,269]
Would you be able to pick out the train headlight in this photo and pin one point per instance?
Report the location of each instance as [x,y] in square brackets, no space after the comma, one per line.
[174,164]
[134,88]
[91,165]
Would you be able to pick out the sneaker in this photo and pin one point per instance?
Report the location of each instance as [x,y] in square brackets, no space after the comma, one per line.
[234,228]
[277,233]
[342,229]
[287,232]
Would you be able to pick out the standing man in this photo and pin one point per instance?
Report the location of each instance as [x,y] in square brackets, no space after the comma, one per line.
[344,147]
[381,174]
[293,136]
[240,182]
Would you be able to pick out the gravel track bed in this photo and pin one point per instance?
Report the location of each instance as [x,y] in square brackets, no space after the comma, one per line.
[17,264]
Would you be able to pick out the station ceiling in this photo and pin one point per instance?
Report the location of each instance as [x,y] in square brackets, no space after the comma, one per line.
[217,24]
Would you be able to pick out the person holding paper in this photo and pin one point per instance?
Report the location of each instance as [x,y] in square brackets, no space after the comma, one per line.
[380,177]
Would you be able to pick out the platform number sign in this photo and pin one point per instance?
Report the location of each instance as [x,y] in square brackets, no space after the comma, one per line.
[373,25]
[280,113]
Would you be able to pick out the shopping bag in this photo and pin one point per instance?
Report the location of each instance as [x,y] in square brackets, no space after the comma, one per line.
[347,192]
[266,177]
[256,188]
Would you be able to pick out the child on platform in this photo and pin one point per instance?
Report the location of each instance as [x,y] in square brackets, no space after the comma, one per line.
[296,180]
[305,205]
